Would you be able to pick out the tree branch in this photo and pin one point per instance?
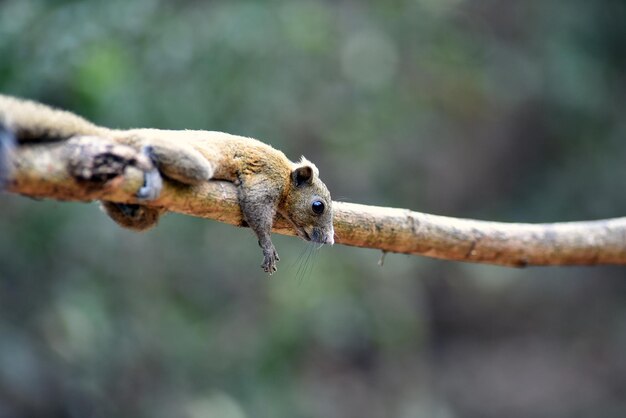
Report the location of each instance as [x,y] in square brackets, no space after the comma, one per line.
[91,168]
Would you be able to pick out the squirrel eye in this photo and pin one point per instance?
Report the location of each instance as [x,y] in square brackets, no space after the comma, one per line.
[318,207]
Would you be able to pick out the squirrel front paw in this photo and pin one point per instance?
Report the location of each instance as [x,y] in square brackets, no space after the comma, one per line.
[270,260]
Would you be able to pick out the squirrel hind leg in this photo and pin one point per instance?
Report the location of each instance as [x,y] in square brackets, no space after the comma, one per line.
[184,164]
[131,216]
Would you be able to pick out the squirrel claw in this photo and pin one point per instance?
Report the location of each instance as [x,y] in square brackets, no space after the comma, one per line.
[7,143]
[270,260]
[153,183]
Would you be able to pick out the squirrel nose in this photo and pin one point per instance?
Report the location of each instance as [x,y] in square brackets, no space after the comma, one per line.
[330,238]
[320,236]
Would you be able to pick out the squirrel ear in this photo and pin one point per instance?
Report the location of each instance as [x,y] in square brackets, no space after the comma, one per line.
[302,175]
[304,172]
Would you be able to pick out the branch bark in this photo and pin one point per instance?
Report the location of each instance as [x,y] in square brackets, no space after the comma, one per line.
[90,168]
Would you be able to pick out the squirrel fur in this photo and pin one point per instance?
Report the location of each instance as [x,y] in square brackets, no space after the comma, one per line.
[267,181]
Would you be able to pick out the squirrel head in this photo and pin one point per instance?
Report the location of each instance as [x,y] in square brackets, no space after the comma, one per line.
[308,205]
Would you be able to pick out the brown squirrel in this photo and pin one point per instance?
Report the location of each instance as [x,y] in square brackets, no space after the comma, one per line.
[267,181]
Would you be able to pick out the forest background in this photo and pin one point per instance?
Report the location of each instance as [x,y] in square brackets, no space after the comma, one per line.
[509,111]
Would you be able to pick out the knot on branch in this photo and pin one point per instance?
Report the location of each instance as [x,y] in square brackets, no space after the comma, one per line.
[94,160]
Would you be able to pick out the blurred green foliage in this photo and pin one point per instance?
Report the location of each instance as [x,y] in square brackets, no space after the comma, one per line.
[475,108]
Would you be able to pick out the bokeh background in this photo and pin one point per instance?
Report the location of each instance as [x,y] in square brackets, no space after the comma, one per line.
[511,111]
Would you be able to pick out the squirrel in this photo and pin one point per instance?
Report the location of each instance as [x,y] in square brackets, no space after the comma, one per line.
[267,182]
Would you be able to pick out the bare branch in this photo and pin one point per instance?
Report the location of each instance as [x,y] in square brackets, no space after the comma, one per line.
[90,168]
